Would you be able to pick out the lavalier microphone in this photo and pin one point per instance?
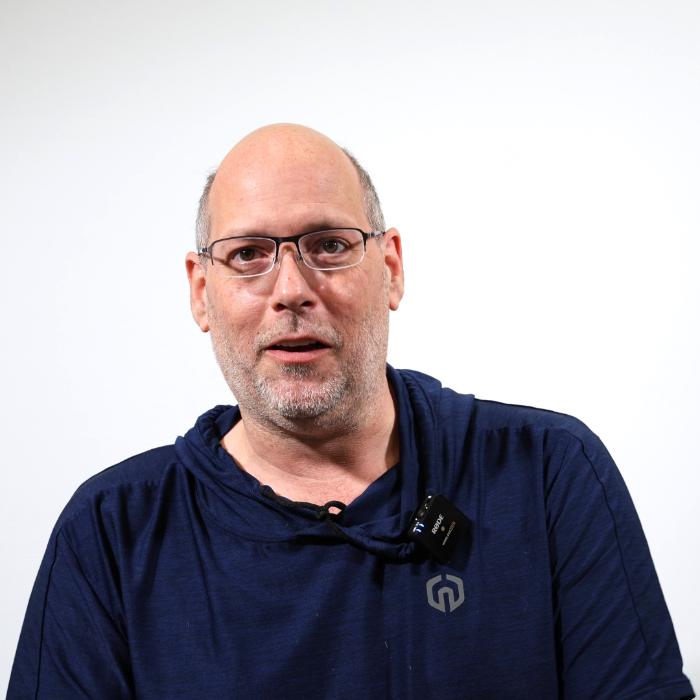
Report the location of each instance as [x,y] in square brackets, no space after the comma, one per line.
[438,526]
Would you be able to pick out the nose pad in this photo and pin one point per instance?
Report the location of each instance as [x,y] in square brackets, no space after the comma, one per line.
[296,255]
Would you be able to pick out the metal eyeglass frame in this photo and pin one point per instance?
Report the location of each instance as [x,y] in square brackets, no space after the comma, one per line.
[207,250]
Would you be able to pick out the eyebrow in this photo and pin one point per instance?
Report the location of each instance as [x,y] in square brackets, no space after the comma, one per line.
[315,225]
[322,224]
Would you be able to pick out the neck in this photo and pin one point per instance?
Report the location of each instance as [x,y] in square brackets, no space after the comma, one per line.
[317,466]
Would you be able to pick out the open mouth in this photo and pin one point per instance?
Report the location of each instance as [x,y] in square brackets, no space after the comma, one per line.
[298,347]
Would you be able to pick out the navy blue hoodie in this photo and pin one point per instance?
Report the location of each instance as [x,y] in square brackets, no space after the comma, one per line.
[175,574]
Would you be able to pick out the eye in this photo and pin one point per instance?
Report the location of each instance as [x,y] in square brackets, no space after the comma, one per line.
[327,250]
[330,246]
[245,255]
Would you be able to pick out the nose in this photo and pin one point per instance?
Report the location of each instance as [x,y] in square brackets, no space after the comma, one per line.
[291,288]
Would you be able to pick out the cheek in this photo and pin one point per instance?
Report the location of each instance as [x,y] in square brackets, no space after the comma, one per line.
[233,309]
[354,300]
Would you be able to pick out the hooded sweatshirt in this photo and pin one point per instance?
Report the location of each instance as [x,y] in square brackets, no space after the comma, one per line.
[176,574]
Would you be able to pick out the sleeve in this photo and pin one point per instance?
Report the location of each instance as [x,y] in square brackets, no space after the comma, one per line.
[71,644]
[615,638]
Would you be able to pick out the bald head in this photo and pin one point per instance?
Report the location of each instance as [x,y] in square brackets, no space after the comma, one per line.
[278,145]
[284,162]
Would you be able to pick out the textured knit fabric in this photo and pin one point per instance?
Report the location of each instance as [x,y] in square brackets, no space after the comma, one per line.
[175,574]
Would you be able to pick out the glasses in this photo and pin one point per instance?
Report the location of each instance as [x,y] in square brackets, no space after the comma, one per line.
[330,249]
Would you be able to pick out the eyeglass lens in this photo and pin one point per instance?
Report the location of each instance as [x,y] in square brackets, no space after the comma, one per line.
[321,250]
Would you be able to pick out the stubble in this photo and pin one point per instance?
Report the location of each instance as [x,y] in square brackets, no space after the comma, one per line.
[297,393]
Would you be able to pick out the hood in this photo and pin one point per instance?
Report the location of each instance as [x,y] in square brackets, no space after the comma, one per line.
[375,521]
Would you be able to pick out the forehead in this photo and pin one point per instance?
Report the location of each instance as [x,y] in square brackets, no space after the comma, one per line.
[282,185]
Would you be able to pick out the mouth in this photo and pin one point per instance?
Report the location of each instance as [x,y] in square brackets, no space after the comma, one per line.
[294,346]
[297,349]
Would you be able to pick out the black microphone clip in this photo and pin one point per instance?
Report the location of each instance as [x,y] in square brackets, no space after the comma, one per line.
[438,526]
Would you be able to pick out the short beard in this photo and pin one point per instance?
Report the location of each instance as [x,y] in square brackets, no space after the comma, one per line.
[304,402]
[339,401]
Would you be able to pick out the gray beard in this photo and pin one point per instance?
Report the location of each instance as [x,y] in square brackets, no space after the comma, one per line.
[335,402]
[307,402]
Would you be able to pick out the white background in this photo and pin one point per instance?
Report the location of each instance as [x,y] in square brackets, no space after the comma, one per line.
[541,159]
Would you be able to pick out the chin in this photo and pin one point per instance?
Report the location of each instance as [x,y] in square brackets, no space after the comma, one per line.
[296,399]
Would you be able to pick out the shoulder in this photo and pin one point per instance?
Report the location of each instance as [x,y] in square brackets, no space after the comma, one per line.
[132,479]
[154,482]
[497,435]
[481,415]
[492,415]
[560,442]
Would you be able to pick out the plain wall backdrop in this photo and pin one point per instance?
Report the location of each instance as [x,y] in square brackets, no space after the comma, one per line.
[541,159]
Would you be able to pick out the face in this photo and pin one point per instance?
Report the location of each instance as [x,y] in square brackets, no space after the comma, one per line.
[296,344]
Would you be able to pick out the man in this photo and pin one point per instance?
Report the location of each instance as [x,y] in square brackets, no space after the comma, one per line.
[274,552]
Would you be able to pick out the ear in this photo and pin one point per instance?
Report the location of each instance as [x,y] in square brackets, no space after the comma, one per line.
[393,259]
[196,275]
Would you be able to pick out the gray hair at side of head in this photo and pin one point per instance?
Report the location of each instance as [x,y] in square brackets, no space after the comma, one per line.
[370,198]
[202,224]
[372,205]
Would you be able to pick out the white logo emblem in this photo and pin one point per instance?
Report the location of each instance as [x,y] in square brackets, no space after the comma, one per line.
[444,598]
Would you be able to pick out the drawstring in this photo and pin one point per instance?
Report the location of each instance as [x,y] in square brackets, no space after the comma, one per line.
[321,513]
[407,550]
[324,513]
[325,510]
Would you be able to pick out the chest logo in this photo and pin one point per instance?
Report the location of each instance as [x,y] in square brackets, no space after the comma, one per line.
[447,597]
